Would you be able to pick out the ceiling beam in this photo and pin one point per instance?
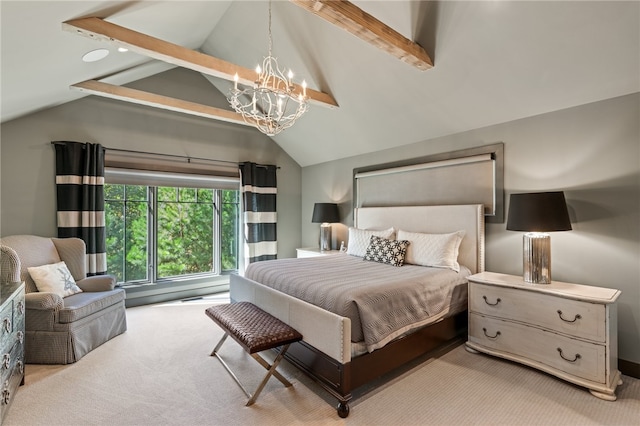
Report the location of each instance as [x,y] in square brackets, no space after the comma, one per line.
[99,29]
[350,17]
[140,97]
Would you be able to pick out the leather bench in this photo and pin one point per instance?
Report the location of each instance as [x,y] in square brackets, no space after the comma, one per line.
[256,331]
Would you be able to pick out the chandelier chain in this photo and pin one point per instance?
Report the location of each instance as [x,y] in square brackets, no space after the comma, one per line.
[270,36]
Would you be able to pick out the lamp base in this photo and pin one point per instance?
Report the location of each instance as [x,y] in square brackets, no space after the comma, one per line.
[325,237]
[537,258]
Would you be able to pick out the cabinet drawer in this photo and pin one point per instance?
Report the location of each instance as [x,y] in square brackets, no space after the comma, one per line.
[6,324]
[12,362]
[575,357]
[8,389]
[576,318]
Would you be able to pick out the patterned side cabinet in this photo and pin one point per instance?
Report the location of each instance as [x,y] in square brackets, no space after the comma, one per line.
[567,330]
[11,343]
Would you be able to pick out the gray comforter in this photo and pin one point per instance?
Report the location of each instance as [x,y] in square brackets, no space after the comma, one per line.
[382,301]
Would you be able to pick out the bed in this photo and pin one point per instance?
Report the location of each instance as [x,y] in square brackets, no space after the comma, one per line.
[328,353]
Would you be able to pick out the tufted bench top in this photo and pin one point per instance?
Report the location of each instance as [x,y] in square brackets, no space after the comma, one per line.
[254,329]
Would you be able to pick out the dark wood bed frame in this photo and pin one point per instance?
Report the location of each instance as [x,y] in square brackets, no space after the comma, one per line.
[340,380]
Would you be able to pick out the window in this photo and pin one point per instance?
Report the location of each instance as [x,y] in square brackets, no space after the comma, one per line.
[164,233]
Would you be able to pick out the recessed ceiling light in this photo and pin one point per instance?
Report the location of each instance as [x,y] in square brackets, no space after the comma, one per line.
[122,49]
[95,55]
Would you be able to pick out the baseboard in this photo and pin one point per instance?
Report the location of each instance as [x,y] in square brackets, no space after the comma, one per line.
[629,368]
[149,295]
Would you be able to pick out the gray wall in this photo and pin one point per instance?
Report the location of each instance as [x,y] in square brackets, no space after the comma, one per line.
[592,152]
[27,176]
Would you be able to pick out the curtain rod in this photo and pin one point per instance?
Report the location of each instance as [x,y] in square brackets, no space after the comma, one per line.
[188,158]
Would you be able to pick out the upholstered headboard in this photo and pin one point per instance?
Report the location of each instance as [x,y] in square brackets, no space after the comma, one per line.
[433,220]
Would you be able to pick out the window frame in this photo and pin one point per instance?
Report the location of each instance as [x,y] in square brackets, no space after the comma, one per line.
[179,180]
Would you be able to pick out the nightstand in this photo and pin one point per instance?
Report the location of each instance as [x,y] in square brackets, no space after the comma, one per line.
[314,251]
[567,330]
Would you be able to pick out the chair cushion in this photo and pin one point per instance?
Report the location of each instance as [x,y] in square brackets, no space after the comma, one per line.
[81,305]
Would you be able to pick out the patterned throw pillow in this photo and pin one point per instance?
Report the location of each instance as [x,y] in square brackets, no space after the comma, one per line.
[54,278]
[386,251]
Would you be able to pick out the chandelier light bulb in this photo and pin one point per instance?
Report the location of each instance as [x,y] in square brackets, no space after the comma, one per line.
[235,82]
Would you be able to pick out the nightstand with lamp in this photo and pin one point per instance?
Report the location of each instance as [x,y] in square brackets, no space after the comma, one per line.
[567,330]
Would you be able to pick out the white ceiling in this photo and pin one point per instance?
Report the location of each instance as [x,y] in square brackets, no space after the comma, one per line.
[495,61]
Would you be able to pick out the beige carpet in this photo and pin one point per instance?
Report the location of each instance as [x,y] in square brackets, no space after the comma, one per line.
[160,373]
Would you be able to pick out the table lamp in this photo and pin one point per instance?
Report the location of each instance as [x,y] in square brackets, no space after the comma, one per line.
[537,214]
[325,214]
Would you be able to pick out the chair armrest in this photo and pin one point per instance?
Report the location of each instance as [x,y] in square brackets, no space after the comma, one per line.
[43,301]
[9,265]
[97,283]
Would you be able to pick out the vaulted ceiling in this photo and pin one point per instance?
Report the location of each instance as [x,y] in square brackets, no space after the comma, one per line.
[494,61]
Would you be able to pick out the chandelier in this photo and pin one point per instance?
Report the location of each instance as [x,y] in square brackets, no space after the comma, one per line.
[270,104]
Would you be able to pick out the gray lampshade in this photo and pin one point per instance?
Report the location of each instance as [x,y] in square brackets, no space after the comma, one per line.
[325,213]
[538,212]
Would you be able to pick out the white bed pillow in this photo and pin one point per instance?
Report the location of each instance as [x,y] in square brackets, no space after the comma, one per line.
[54,278]
[359,239]
[435,250]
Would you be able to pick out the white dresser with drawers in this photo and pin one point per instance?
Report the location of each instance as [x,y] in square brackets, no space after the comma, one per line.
[568,330]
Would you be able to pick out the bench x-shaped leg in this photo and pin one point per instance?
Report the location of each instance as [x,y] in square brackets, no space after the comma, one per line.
[271,370]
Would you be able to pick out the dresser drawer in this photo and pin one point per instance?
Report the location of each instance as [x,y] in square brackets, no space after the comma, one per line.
[9,387]
[6,323]
[12,363]
[573,317]
[575,357]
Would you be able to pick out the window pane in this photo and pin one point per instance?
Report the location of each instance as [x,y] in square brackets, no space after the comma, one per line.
[205,195]
[114,192]
[187,195]
[167,194]
[114,222]
[136,241]
[126,231]
[136,192]
[185,237]
[229,229]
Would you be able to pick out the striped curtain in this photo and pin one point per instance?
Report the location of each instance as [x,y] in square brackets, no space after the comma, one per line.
[80,195]
[259,209]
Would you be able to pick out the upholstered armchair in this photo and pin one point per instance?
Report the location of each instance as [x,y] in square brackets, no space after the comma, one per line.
[61,330]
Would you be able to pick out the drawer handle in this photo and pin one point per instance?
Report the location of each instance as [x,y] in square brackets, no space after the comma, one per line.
[21,307]
[5,397]
[575,358]
[491,337]
[6,361]
[6,324]
[498,300]
[21,367]
[577,317]
[20,337]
